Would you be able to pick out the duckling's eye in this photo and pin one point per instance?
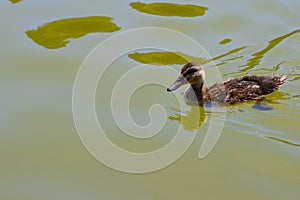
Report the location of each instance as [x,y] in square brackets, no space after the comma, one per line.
[193,70]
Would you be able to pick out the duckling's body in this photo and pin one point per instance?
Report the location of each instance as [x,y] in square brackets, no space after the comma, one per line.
[242,89]
[231,91]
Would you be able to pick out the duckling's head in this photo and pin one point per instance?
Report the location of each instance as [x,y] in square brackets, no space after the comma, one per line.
[191,73]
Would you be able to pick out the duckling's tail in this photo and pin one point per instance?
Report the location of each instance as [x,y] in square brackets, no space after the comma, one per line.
[283,79]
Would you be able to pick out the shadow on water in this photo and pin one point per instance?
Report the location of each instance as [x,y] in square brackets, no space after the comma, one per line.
[169,9]
[262,106]
[190,120]
[57,34]
[274,98]
[15,1]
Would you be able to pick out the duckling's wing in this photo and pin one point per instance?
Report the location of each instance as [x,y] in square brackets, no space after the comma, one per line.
[245,88]
[242,90]
[267,84]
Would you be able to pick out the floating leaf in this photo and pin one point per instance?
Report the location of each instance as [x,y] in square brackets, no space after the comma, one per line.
[57,34]
[169,9]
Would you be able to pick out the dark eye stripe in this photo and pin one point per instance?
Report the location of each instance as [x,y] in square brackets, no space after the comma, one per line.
[192,70]
[189,71]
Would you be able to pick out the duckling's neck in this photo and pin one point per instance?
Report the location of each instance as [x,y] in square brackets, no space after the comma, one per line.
[198,91]
[194,93]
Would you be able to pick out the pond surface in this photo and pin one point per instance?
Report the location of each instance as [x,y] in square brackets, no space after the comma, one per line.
[43,44]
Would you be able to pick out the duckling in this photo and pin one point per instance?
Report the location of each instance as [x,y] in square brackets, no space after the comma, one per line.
[229,92]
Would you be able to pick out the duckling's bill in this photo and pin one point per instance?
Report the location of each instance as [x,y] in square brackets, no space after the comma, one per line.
[181,80]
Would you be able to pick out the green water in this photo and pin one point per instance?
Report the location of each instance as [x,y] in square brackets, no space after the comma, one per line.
[43,44]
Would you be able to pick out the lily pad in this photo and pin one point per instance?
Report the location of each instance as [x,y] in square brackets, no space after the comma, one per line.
[169,9]
[57,34]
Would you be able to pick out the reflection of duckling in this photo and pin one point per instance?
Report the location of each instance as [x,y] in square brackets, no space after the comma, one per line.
[191,120]
[231,91]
